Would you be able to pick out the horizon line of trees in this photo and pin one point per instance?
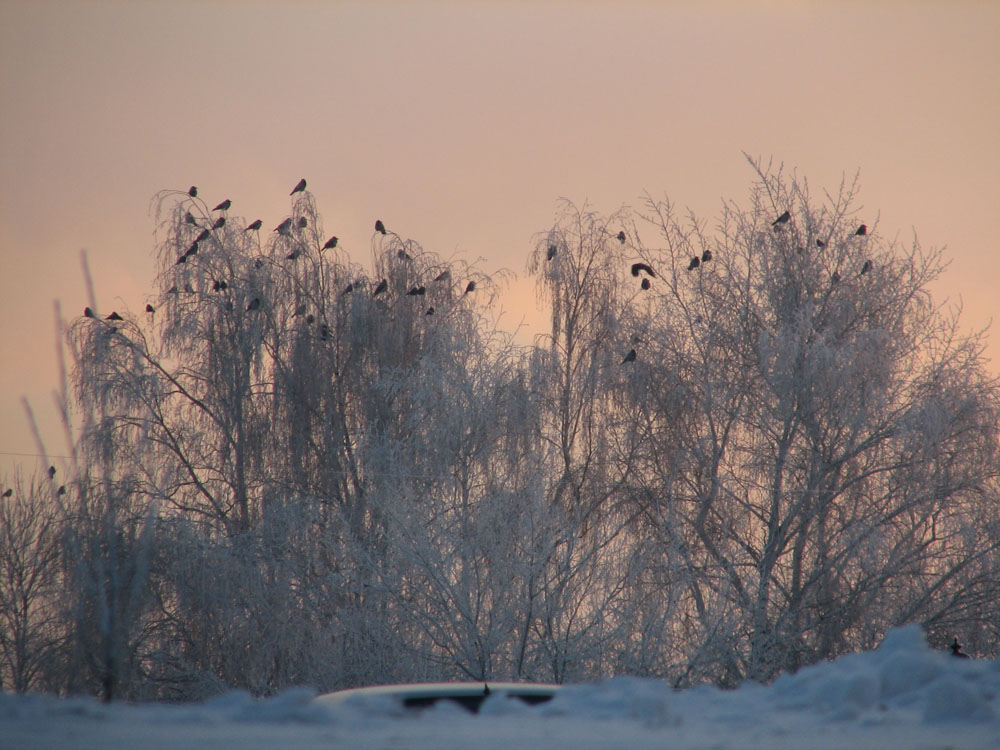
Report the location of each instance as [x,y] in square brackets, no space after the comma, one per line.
[739,449]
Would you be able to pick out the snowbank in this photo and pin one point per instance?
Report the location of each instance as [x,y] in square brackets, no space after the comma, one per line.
[902,695]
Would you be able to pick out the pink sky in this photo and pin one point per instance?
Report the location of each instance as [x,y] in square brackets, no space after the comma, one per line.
[461,124]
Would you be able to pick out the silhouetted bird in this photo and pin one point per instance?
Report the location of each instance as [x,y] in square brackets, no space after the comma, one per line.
[862,230]
[956,649]
[332,242]
[417,291]
[172,290]
[300,310]
[310,318]
[783,219]
[403,255]
[379,226]
[150,309]
[645,284]
[224,206]
[61,490]
[254,304]
[324,332]
[283,227]
[219,223]
[299,187]
[630,357]
[258,264]
[52,472]
[292,255]
[303,222]
[446,274]
[551,253]
[836,277]
[382,286]
[88,313]
[636,267]
[348,289]
[621,237]
[189,289]
[114,316]
[706,256]
[255,225]
[430,311]
[470,287]
[865,268]
[219,286]
[205,234]
[695,262]
[820,243]
[8,492]
[193,191]
[182,259]
[189,218]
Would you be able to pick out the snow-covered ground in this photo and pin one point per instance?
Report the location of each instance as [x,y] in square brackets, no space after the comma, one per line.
[903,695]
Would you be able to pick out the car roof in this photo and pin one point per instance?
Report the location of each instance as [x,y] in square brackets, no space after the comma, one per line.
[443,690]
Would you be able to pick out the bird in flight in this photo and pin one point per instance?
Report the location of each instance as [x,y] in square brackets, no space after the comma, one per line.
[379,226]
[224,206]
[783,219]
[299,186]
[332,242]
[630,357]
[636,267]
[254,225]
[695,262]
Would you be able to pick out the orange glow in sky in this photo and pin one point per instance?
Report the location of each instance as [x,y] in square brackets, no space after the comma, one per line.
[461,124]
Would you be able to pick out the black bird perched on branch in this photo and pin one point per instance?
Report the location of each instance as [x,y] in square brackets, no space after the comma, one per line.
[551,253]
[219,223]
[219,286]
[172,290]
[783,219]
[189,289]
[836,277]
[283,227]
[645,284]
[630,357]
[621,236]
[820,243]
[189,218]
[348,289]
[52,472]
[61,490]
[8,492]
[706,256]
[324,332]
[695,262]
[193,191]
[205,234]
[224,206]
[417,291]
[255,225]
[332,242]
[403,255]
[150,309]
[254,304]
[956,649]
[636,267]
[379,226]
[114,316]
[299,186]
[303,222]
[470,287]
[292,255]
[443,275]
[88,313]
[382,286]
[430,311]
[861,231]
[300,310]
[865,268]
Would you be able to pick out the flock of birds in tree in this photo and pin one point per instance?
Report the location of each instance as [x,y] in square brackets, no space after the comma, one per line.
[706,256]
[284,229]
